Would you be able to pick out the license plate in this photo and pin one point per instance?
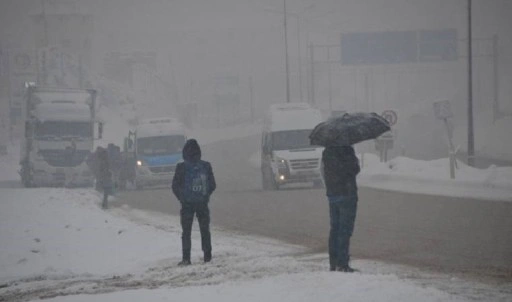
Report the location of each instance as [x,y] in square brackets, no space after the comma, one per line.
[305,173]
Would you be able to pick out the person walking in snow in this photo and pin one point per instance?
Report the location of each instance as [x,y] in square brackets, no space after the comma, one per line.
[193,183]
[103,174]
[341,167]
[115,162]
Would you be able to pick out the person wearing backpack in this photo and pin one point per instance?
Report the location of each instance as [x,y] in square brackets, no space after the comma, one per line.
[193,183]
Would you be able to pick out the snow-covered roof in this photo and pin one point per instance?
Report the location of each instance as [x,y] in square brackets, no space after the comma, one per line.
[293,116]
[159,120]
[62,112]
[160,127]
[63,96]
[289,106]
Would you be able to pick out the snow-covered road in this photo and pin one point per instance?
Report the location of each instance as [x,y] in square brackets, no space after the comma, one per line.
[59,244]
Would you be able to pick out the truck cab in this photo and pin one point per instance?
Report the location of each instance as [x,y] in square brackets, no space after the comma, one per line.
[58,136]
[286,154]
[158,149]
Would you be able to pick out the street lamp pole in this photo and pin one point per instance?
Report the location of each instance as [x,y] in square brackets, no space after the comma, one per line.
[286,56]
[300,60]
[471,136]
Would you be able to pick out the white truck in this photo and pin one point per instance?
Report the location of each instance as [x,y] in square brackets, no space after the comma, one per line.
[58,136]
[156,145]
[286,155]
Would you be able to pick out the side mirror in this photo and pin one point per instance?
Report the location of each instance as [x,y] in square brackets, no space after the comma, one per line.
[100,130]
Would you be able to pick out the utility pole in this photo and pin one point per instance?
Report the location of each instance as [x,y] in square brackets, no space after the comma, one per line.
[45,43]
[471,135]
[80,73]
[312,62]
[329,75]
[251,99]
[45,23]
[300,59]
[367,91]
[9,91]
[286,56]
[496,104]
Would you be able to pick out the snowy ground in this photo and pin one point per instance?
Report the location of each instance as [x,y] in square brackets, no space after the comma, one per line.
[418,176]
[58,244]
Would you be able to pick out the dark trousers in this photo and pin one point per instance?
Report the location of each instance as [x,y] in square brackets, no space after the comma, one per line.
[342,210]
[202,212]
[106,192]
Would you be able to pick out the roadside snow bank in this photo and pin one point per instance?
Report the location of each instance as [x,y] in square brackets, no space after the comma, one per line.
[318,287]
[428,177]
[60,232]
[9,163]
[58,244]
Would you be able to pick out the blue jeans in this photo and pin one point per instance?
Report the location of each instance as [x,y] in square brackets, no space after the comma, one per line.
[342,210]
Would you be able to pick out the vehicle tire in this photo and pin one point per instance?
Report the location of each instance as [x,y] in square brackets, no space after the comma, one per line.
[318,183]
[267,180]
[274,184]
[122,184]
[27,183]
[138,186]
[264,182]
[26,179]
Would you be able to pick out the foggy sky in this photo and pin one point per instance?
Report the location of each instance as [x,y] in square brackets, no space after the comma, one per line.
[198,39]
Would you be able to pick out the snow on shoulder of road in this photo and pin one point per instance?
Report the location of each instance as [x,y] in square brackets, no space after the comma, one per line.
[433,177]
[9,163]
[404,174]
[60,245]
[398,174]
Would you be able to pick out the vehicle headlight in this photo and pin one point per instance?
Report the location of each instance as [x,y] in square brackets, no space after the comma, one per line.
[139,163]
[281,163]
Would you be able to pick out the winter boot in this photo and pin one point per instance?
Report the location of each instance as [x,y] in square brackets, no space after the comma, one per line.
[184,262]
[207,256]
[186,258]
[345,269]
[332,263]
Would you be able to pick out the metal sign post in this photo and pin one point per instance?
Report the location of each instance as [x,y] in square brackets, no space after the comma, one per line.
[382,144]
[442,111]
[386,141]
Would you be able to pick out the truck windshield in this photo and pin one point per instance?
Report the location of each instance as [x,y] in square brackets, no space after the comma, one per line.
[54,129]
[160,145]
[290,139]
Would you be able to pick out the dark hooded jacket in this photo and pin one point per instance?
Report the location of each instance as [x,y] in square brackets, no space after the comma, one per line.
[99,165]
[191,153]
[341,167]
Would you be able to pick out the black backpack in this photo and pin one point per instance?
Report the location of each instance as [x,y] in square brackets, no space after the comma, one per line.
[196,182]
